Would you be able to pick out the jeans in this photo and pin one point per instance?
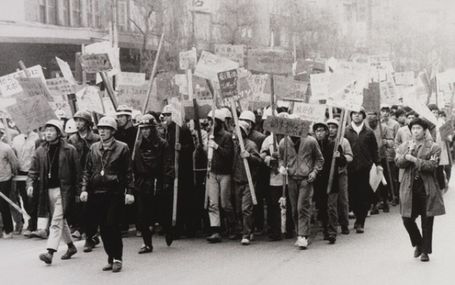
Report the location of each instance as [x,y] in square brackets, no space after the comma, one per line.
[5,188]
[219,189]
[59,228]
[244,206]
[343,200]
[300,196]
[419,201]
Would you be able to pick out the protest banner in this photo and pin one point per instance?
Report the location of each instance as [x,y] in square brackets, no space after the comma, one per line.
[350,97]
[371,97]
[10,86]
[66,70]
[187,59]
[60,86]
[209,65]
[132,95]
[233,52]
[228,83]
[404,78]
[112,53]
[130,79]
[31,113]
[177,111]
[287,127]
[303,68]
[34,87]
[93,63]
[287,88]
[270,61]
[89,99]
[319,86]
[310,112]
[389,94]
[60,103]
[409,99]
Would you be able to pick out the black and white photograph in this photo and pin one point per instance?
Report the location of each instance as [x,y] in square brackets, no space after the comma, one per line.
[235,142]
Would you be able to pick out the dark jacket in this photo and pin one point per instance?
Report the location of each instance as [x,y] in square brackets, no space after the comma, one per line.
[254,160]
[69,173]
[223,156]
[118,174]
[364,148]
[148,164]
[257,137]
[127,135]
[83,145]
[427,161]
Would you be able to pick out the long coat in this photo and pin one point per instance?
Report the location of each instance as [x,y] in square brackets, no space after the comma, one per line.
[428,160]
[69,172]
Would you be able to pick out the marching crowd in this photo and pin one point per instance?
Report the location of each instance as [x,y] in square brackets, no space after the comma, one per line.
[90,180]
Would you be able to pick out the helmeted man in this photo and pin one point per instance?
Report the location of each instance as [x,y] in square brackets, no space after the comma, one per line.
[305,161]
[56,165]
[219,178]
[148,176]
[107,184]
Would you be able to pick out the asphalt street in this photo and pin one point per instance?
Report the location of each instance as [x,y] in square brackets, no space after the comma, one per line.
[382,255]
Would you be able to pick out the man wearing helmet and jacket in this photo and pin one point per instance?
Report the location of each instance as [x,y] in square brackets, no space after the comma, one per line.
[82,140]
[56,165]
[148,173]
[107,184]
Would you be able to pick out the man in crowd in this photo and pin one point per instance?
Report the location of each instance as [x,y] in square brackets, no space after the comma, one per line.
[305,161]
[82,140]
[148,176]
[56,165]
[365,151]
[219,177]
[107,183]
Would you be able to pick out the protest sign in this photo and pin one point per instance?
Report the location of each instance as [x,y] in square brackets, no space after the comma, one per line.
[233,52]
[106,48]
[60,103]
[187,59]
[93,63]
[288,127]
[409,99]
[132,95]
[404,78]
[446,130]
[66,70]
[60,86]
[228,83]
[389,94]
[177,111]
[310,112]
[31,113]
[34,87]
[287,88]
[319,86]
[10,86]
[89,99]
[270,61]
[350,97]
[130,79]
[371,97]
[209,65]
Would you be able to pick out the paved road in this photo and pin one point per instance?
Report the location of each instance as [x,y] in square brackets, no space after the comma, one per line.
[382,255]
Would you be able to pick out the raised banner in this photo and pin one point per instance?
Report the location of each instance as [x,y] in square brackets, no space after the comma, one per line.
[187,59]
[130,79]
[93,63]
[233,52]
[34,87]
[60,86]
[106,48]
[270,61]
[209,65]
[31,113]
[288,127]
[310,112]
[89,99]
[404,78]
[132,95]
[228,83]
[10,86]
[319,86]
[287,88]
[66,70]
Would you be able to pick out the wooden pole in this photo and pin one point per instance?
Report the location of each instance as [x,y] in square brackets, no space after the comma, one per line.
[109,88]
[340,135]
[242,149]
[152,76]
[211,136]
[176,177]
[283,193]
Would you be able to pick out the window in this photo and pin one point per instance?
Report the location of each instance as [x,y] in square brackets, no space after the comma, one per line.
[122,16]
[76,13]
[66,12]
[42,11]
[97,14]
[51,15]
[90,13]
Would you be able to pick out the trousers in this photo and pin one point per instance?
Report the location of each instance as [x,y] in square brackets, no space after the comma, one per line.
[219,190]
[244,206]
[300,196]
[59,228]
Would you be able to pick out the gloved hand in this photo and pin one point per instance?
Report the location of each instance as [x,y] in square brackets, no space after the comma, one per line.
[30,191]
[129,199]
[282,170]
[311,177]
[213,144]
[84,196]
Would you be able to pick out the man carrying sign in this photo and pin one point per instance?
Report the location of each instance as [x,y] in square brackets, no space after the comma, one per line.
[305,160]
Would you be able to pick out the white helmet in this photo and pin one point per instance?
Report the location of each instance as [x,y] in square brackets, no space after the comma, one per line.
[267,113]
[219,114]
[245,127]
[248,116]
[167,109]
[227,112]
[70,127]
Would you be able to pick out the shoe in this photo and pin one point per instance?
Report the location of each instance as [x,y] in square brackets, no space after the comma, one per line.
[27,233]
[245,241]
[18,229]
[374,211]
[88,246]
[145,249]
[332,240]
[344,230]
[417,252]
[46,258]
[117,266]
[96,240]
[42,234]
[424,257]
[359,230]
[386,209]
[72,250]
[76,235]
[302,242]
[107,267]
[214,238]
[8,236]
